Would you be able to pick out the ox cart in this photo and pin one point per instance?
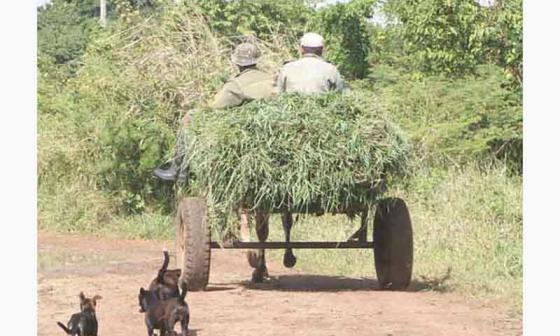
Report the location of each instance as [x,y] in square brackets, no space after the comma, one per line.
[392,241]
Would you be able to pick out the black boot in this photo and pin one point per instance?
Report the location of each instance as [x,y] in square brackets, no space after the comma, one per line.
[176,170]
[170,174]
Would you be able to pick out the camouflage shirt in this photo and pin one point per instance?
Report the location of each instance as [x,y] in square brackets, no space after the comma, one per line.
[310,74]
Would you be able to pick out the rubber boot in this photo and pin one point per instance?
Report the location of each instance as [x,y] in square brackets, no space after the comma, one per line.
[175,171]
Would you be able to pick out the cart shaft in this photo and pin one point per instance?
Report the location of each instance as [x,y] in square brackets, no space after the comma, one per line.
[294,245]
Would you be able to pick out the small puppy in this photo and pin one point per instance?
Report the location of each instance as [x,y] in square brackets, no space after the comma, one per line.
[83,323]
[162,315]
[165,284]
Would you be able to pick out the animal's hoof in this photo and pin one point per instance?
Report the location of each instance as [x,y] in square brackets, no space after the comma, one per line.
[289,259]
[252,259]
[259,275]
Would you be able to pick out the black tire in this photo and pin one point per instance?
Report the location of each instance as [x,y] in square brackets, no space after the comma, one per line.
[192,242]
[393,244]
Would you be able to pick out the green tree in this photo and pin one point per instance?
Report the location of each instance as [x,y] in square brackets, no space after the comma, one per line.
[64,29]
[260,18]
[345,29]
[455,36]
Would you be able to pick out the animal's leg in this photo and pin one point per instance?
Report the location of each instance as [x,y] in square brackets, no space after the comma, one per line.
[261,225]
[287,222]
[185,326]
[361,234]
[243,218]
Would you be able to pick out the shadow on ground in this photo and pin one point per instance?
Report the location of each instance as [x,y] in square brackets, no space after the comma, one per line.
[327,283]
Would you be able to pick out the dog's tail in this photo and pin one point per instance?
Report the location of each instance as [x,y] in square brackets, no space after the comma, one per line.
[183,292]
[66,330]
[163,268]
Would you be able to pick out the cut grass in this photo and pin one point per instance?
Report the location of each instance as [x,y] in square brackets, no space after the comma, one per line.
[294,151]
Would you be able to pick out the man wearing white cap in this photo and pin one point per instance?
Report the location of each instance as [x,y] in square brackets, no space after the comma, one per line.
[310,74]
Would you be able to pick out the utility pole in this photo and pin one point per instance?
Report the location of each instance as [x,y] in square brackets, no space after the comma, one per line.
[103,12]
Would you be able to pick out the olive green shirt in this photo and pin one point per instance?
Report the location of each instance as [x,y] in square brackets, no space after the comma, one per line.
[310,75]
[248,85]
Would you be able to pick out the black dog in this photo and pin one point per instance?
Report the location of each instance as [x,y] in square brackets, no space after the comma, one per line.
[164,314]
[83,323]
[165,284]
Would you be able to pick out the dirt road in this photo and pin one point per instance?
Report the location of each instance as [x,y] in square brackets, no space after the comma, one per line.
[291,303]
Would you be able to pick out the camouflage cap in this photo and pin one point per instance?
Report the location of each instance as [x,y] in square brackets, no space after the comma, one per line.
[245,54]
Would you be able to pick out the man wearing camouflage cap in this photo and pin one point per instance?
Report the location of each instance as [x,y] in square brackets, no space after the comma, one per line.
[250,84]
[310,74]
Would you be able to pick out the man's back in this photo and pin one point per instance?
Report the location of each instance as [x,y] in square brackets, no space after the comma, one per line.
[310,75]
[248,85]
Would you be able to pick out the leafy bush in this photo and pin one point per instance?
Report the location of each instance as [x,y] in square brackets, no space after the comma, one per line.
[122,109]
[63,31]
[345,29]
[454,37]
[461,120]
[262,19]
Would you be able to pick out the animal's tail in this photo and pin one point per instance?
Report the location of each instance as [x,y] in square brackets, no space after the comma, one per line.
[66,330]
[163,268]
[183,292]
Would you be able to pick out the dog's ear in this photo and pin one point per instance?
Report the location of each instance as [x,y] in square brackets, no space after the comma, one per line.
[82,296]
[142,291]
[96,297]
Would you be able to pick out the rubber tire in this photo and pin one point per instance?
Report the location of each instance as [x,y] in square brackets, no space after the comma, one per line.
[192,242]
[393,244]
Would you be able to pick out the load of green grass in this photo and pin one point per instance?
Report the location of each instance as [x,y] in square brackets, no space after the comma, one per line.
[294,152]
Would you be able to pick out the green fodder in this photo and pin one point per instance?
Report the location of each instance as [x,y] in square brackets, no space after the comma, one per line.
[467,234]
[294,151]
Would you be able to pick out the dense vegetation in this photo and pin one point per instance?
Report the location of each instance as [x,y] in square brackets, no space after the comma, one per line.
[449,72]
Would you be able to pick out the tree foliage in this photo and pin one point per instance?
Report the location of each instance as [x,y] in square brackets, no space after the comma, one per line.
[345,29]
[64,29]
[455,36]
[259,18]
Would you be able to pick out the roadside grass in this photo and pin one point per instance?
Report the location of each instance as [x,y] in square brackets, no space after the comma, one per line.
[467,232]
[467,235]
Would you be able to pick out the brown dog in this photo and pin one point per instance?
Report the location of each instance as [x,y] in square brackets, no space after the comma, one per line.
[162,315]
[83,323]
[165,285]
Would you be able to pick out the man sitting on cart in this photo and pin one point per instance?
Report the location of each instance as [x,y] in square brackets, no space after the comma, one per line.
[249,84]
[309,75]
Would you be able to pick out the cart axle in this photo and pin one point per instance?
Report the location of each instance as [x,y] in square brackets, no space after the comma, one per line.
[294,245]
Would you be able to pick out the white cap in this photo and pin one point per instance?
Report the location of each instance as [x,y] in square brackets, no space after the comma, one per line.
[312,40]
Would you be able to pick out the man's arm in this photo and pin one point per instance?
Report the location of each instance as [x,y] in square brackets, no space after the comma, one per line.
[339,82]
[280,83]
[230,95]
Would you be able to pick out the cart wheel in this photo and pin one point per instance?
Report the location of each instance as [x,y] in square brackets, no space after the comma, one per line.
[392,244]
[193,242]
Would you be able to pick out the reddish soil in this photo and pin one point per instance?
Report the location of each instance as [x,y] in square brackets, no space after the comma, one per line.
[291,303]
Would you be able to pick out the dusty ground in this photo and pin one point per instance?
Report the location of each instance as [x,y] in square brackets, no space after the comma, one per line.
[291,303]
